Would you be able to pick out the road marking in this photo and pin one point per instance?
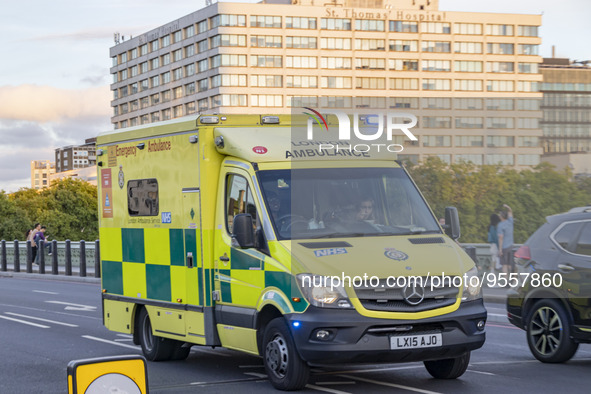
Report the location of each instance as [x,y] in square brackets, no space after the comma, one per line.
[256,375]
[123,339]
[326,389]
[24,322]
[111,342]
[40,319]
[125,335]
[45,292]
[398,386]
[74,307]
[480,372]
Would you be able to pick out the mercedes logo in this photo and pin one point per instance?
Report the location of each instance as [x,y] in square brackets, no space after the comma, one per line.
[413,293]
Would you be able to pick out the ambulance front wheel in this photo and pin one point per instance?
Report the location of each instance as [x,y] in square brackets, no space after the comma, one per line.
[154,347]
[285,369]
[449,368]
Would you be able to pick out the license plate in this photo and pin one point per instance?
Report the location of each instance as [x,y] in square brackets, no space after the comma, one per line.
[415,341]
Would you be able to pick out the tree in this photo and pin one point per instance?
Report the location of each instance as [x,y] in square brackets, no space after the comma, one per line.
[13,222]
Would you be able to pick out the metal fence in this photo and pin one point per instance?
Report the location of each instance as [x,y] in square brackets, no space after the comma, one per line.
[67,258]
[83,258]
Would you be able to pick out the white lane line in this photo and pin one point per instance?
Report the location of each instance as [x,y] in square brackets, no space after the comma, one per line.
[40,319]
[398,386]
[24,322]
[257,375]
[123,339]
[326,389]
[125,335]
[111,342]
[45,292]
[480,372]
[335,383]
[74,307]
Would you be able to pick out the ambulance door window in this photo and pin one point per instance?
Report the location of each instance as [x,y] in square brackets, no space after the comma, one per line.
[239,199]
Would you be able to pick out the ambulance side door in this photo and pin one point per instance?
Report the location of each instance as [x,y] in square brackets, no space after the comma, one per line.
[239,273]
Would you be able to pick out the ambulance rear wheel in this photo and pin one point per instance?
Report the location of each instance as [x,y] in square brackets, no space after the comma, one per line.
[155,348]
[449,368]
[285,369]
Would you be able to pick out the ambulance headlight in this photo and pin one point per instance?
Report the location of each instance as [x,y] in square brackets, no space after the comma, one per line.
[472,286]
[320,291]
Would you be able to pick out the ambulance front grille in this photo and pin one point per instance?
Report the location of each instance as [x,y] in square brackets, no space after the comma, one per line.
[426,295]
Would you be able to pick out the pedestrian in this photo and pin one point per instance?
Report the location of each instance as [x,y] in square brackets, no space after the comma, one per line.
[493,240]
[39,236]
[31,237]
[505,234]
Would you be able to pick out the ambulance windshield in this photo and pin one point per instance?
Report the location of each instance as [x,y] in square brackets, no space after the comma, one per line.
[344,202]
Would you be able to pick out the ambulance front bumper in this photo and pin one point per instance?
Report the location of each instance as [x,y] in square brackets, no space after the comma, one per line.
[325,335]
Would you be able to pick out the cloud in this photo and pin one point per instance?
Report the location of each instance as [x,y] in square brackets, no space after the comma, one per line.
[50,104]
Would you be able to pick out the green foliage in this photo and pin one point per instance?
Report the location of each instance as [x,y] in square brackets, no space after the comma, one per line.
[13,222]
[479,191]
[68,209]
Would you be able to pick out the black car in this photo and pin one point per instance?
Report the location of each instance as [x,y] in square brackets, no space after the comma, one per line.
[552,302]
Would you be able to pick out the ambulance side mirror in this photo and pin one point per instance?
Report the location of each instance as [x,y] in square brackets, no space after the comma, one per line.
[452,223]
[243,231]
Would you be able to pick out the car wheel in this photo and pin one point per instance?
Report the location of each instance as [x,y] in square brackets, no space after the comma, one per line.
[155,348]
[285,369]
[449,368]
[549,333]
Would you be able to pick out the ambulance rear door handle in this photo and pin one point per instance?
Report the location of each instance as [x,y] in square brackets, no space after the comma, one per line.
[225,258]
[189,260]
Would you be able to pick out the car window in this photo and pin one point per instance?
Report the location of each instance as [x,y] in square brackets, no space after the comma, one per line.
[239,199]
[566,235]
[584,243]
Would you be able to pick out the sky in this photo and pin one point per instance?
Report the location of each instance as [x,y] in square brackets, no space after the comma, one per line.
[54,74]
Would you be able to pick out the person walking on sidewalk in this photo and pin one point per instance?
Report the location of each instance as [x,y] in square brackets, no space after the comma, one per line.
[31,237]
[493,240]
[505,234]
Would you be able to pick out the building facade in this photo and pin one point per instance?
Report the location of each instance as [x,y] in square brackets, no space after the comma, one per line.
[471,78]
[566,125]
[74,157]
[41,171]
[88,174]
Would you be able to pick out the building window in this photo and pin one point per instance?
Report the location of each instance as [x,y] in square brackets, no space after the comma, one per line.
[436,46]
[469,140]
[463,122]
[403,102]
[155,81]
[302,101]
[403,45]
[266,81]
[144,102]
[225,20]
[370,102]
[370,44]
[404,83]
[166,41]
[336,82]
[527,31]
[500,86]
[228,61]
[202,85]
[144,67]
[202,46]
[155,117]
[527,86]
[203,65]
[436,103]
[467,47]
[155,63]
[166,114]
[203,105]
[468,66]
[499,30]
[190,108]
[189,50]
[370,25]
[436,65]
[335,24]
[202,25]
[436,122]
[335,102]
[528,123]
[189,31]
[335,63]
[530,104]
[301,61]
[500,67]
[177,92]
[265,21]
[436,27]
[528,68]
[228,40]
[499,104]
[177,36]
[177,74]
[229,100]
[266,100]
[190,89]
[500,123]
[335,43]
[498,48]
[468,28]
[154,46]
[370,64]
[301,81]
[190,69]
[144,119]
[292,22]
[504,160]
[301,42]
[436,140]
[370,83]
[228,80]
[404,26]
[529,142]
[265,41]
[166,97]
[436,84]
[177,55]
[166,77]
[177,111]
[266,61]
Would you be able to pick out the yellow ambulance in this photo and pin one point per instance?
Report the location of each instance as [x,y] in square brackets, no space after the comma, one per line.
[238,231]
